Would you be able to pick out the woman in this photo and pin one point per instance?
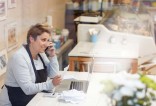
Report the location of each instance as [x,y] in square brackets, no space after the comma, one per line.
[28,69]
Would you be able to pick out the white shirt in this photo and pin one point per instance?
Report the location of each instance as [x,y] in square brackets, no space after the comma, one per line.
[20,73]
[38,64]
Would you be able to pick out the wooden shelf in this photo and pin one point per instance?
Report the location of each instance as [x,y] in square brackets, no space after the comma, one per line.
[62,52]
[64,47]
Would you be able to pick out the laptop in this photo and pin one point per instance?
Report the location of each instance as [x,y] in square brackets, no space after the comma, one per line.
[80,85]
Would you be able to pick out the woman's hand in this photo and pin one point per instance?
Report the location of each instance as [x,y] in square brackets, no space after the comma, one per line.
[57,80]
[51,50]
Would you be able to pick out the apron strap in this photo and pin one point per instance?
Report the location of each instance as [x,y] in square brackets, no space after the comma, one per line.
[37,74]
[42,60]
[28,50]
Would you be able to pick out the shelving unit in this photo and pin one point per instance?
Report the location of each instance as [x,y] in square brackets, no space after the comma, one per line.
[150,3]
[62,53]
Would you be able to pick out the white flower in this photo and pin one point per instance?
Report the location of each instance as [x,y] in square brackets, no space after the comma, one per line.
[145,103]
[130,102]
[135,100]
[120,81]
[109,86]
[133,76]
[126,91]
[139,85]
[131,84]
[117,96]
[141,94]
[131,87]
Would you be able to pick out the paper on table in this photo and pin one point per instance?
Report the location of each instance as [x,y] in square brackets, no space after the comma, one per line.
[65,71]
[73,96]
[67,76]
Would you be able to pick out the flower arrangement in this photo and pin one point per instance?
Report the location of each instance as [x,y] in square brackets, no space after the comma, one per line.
[130,90]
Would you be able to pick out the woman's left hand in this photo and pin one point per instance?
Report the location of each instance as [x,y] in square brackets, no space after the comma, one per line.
[51,50]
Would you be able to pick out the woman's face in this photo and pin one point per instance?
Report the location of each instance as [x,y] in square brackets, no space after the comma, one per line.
[41,43]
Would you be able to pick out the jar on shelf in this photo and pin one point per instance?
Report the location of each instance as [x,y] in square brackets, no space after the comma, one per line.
[65,34]
[57,43]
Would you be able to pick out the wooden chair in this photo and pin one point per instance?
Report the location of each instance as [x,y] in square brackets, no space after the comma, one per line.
[107,65]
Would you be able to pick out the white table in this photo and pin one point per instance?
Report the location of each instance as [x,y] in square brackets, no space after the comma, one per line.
[85,51]
[94,95]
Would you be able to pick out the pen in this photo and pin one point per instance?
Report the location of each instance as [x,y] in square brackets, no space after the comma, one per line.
[47,91]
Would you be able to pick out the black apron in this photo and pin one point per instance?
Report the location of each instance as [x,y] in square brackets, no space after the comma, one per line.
[16,95]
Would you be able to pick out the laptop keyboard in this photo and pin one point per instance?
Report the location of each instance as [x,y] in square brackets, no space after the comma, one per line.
[79,85]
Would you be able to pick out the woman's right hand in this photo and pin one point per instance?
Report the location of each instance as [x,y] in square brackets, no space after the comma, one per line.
[50,50]
[57,80]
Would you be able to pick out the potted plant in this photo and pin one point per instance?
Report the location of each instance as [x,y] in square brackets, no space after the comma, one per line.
[130,90]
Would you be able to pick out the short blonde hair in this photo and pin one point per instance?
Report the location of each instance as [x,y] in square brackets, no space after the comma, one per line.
[35,31]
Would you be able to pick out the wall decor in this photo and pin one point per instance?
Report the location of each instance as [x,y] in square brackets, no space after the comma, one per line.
[2,38]
[3,61]
[11,3]
[11,35]
[3,9]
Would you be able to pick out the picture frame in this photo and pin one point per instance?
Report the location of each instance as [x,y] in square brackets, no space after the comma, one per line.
[3,61]
[11,36]
[11,3]
[2,39]
[3,10]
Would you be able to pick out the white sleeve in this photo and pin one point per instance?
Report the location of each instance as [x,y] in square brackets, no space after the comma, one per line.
[21,72]
[52,65]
